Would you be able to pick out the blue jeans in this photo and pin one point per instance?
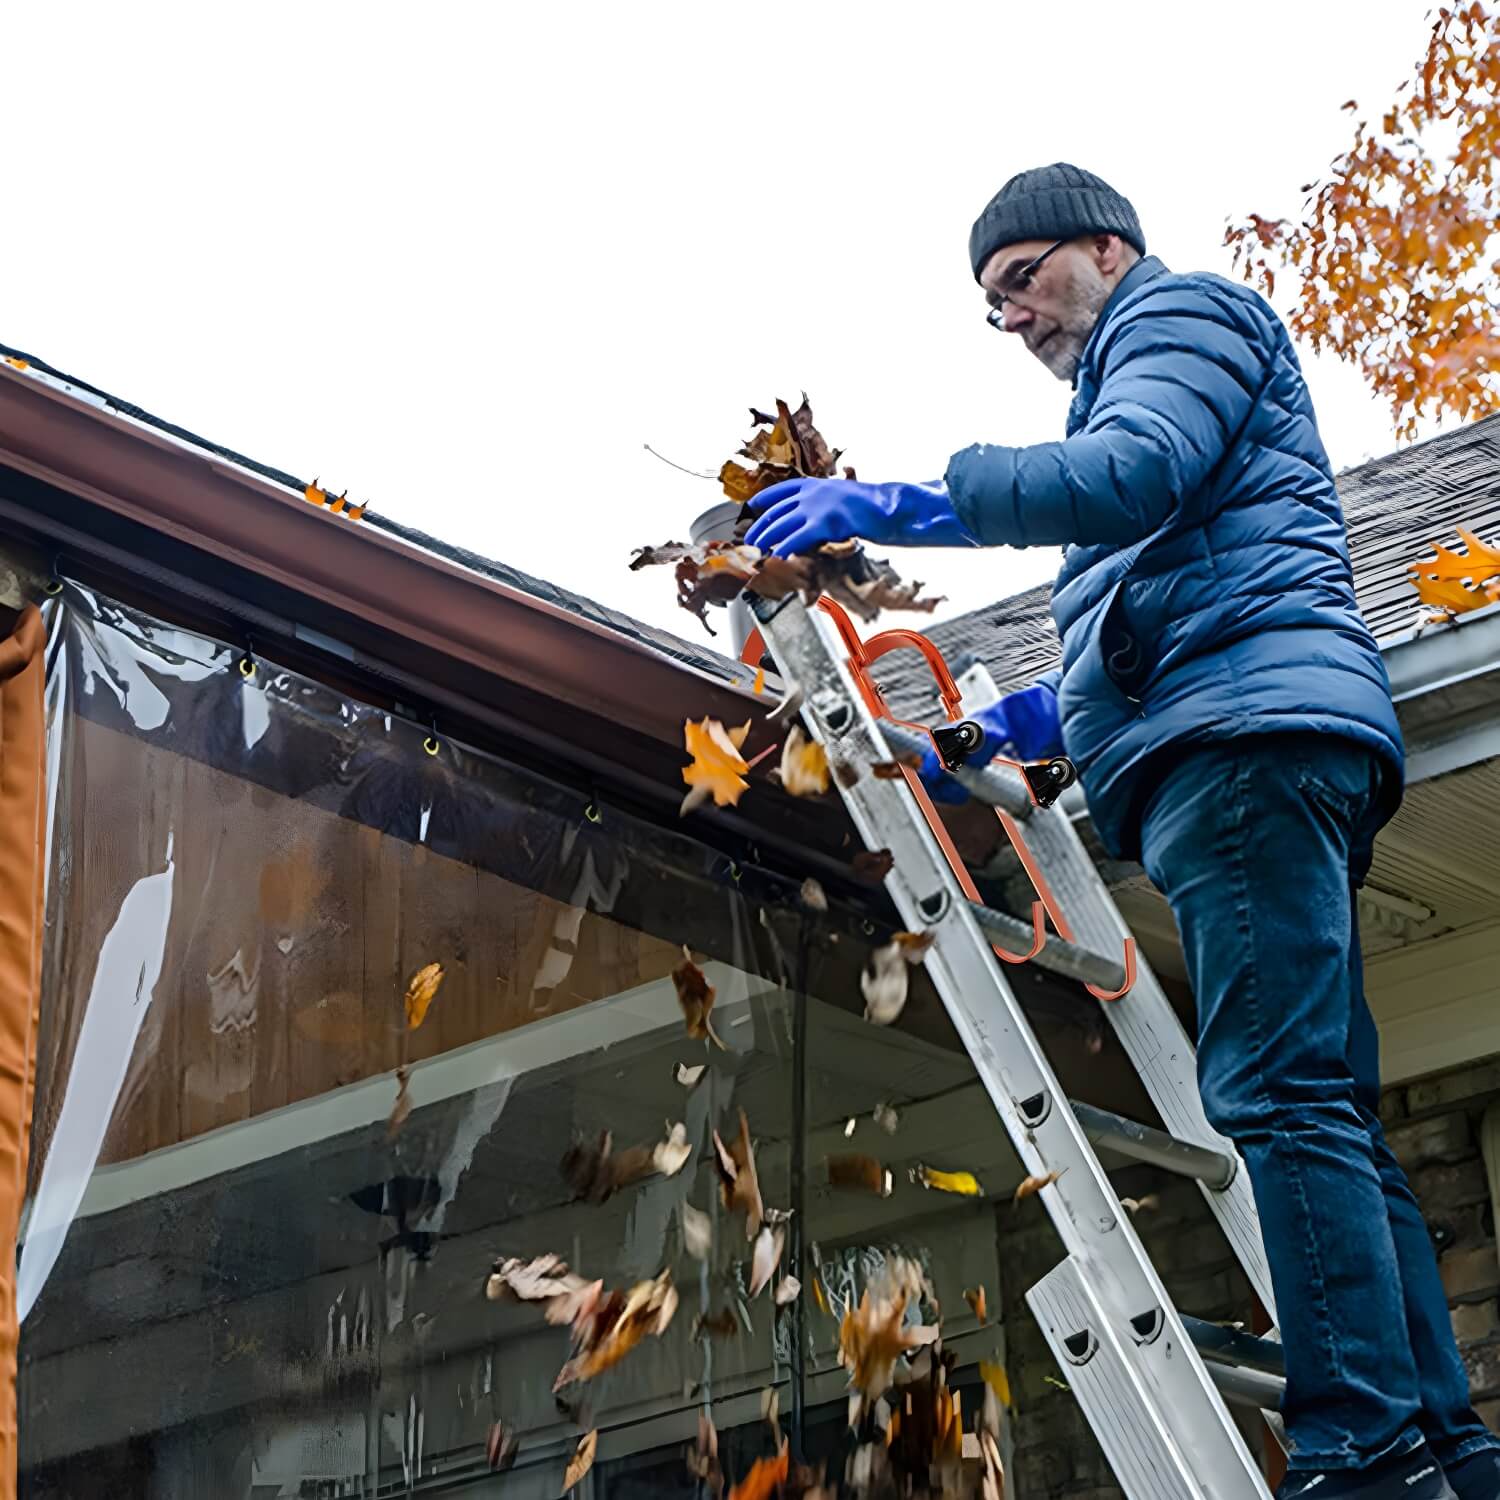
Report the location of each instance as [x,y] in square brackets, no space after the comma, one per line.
[1259,844]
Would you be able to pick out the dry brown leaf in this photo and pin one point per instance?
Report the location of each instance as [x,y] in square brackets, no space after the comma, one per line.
[420,993]
[401,1108]
[703,1456]
[742,484]
[769,1245]
[696,997]
[812,896]
[500,1447]
[804,765]
[845,772]
[871,866]
[717,769]
[1140,1205]
[892,770]
[739,1186]
[886,1118]
[873,1336]
[606,1331]
[914,945]
[770,1411]
[697,1232]
[974,1296]
[1036,1184]
[788,1289]
[760,681]
[773,447]
[765,1476]
[537,1280]
[594,1170]
[688,1076]
[717,1325]
[582,1460]
[859,1171]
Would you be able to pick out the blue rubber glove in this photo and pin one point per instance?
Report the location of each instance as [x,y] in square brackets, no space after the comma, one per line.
[1022,726]
[800,515]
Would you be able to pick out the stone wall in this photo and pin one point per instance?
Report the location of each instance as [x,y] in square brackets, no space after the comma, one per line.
[1435,1126]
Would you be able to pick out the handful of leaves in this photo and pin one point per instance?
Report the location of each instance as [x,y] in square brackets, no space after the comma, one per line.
[716,572]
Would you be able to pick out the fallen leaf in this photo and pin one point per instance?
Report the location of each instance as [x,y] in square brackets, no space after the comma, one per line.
[1036,1184]
[858,1171]
[500,1447]
[314,494]
[765,1475]
[717,769]
[760,681]
[773,447]
[717,1325]
[964,1184]
[770,1411]
[883,982]
[974,1296]
[703,1456]
[996,1379]
[820,1297]
[845,772]
[401,1108]
[804,765]
[769,1245]
[531,1280]
[874,1335]
[1141,1205]
[914,945]
[697,1232]
[850,1125]
[739,1186]
[871,866]
[892,770]
[812,896]
[696,997]
[742,484]
[420,993]
[688,1076]
[670,1156]
[605,1331]
[788,1289]
[886,1118]
[582,1460]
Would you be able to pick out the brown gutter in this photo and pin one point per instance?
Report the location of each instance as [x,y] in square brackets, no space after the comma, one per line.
[412,596]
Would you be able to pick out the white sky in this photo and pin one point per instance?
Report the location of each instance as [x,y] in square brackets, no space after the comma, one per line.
[467,260]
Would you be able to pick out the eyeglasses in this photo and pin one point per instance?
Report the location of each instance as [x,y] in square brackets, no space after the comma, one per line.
[1018,281]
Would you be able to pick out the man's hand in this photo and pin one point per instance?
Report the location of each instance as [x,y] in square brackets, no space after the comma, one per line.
[800,515]
[1022,726]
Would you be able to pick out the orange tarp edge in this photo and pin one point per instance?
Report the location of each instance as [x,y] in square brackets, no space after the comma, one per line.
[23,803]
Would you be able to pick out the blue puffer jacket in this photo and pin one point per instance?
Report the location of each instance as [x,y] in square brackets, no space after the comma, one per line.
[1206,591]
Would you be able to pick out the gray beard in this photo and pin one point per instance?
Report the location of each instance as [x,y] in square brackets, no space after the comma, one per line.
[1084,300]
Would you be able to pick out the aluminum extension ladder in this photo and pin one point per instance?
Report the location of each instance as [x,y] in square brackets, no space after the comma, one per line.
[1151,1383]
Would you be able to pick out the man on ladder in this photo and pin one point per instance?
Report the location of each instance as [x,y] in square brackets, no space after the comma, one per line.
[1231,721]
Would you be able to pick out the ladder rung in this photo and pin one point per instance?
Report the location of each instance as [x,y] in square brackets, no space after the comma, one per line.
[1233,1346]
[1214,1169]
[989,784]
[1242,1387]
[1061,957]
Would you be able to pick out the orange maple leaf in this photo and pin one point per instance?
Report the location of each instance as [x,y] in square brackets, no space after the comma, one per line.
[718,769]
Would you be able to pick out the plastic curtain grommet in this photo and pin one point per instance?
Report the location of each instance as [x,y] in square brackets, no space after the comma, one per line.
[592,813]
[52,588]
[734,872]
[432,744]
[247,667]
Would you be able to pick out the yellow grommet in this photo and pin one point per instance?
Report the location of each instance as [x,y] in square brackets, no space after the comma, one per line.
[432,744]
[592,813]
[247,668]
[52,588]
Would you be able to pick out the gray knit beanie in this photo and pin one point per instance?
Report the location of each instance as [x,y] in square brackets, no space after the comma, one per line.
[1058,202]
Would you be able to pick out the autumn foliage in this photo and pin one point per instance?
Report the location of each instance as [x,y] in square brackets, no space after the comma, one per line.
[1398,248]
